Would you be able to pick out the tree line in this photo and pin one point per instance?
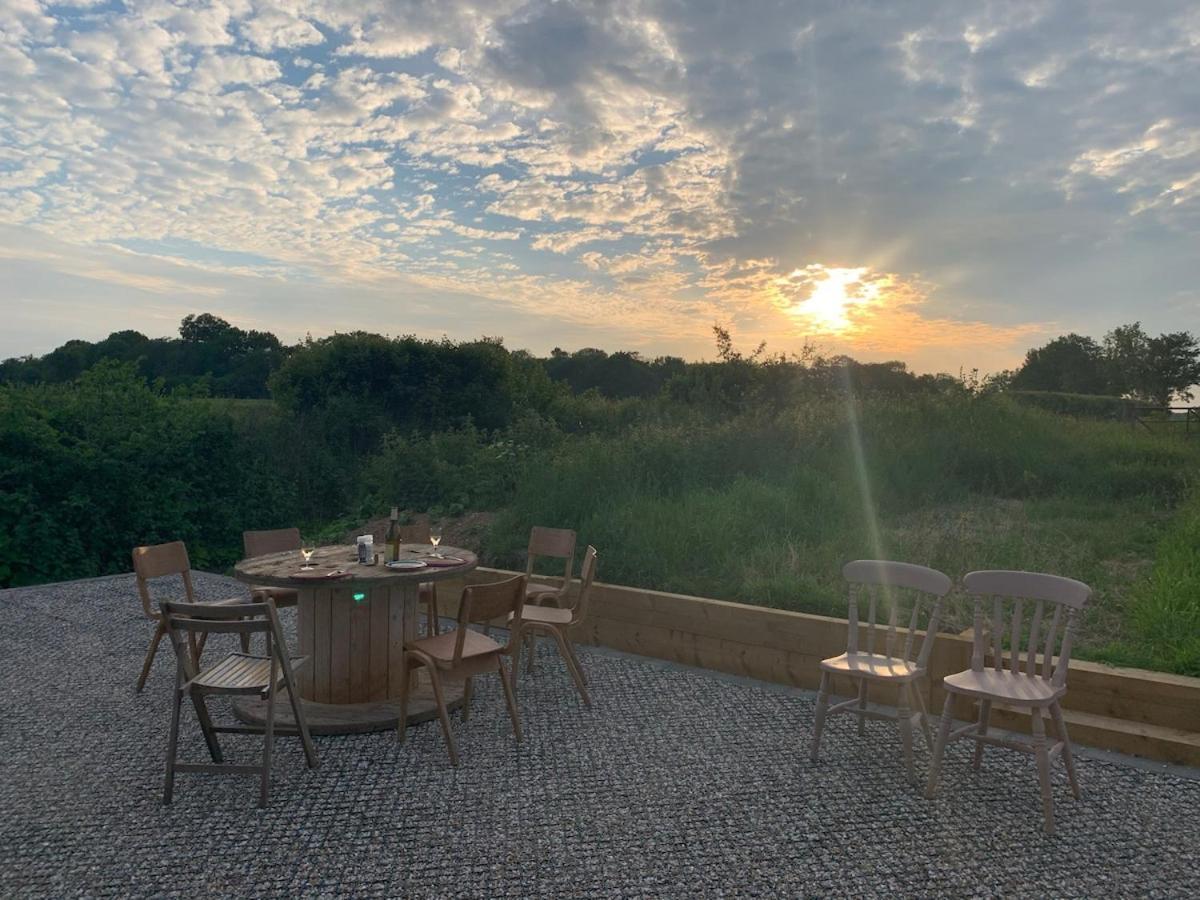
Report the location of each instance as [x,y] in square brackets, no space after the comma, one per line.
[428,385]
[1127,362]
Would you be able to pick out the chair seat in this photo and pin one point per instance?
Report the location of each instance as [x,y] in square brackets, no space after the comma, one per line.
[871,665]
[1004,686]
[551,615]
[440,647]
[282,596]
[241,672]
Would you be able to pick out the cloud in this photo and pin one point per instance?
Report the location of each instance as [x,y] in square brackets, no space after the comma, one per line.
[641,162]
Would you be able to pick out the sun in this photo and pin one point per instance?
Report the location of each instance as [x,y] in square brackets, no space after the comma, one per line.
[834,294]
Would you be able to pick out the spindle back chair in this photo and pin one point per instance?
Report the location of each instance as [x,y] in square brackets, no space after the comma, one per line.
[1018,663]
[888,657]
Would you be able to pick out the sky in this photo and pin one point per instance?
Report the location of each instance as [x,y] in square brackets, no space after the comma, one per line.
[946,183]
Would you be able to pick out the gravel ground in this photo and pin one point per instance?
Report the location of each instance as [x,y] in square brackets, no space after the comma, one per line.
[676,783]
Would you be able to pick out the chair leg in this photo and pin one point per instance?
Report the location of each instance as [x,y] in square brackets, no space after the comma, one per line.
[1043,759]
[575,659]
[531,649]
[402,721]
[268,746]
[1043,767]
[566,655]
[906,731]
[516,642]
[819,721]
[150,651]
[926,728]
[206,726]
[862,705]
[939,748]
[436,680]
[310,752]
[510,697]
[172,744]
[466,707]
[985,715]
[1060,726]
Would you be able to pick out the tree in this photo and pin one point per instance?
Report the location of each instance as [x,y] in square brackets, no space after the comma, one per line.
[1071,363]
[1152,369]
[205,328]
[1173,367]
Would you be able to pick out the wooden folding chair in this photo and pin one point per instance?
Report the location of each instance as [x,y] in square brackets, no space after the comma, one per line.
[264,543]
[1033,687]
[160,561]
[888,586]
[557,622]
[464,653]
[418,533]
[236,674]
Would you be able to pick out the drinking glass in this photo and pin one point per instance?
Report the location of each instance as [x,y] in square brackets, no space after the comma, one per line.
[307,549]
[435,538]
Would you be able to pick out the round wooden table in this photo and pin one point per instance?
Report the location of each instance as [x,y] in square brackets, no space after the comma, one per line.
[353,631]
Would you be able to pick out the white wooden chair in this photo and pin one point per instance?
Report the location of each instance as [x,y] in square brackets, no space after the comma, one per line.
[1027,686]
[888,585]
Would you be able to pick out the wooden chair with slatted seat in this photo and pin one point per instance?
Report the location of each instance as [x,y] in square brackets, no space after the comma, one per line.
[237,674]
[418,533]
[890,586]
[162,561]
[463,654]
[557,622]
[1037,688]
[264,543]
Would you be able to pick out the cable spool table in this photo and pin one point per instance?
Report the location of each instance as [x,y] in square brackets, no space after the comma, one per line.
[353,631]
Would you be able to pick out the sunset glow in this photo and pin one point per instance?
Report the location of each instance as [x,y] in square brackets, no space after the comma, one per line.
[835,295]
[609,175]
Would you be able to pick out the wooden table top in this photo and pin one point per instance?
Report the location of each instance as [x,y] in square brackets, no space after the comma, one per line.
[280,569]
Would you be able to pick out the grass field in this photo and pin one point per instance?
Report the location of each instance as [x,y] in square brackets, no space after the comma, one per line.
[767,512]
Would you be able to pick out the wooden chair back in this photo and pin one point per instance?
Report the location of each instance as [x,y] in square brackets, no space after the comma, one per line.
[1009,591]
[186,620]
[483,603]
[587,574]
[160,561]
[264,543]
[891,588]
[554,543]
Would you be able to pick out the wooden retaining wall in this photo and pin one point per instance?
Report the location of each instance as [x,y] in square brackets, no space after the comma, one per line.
[1149,714]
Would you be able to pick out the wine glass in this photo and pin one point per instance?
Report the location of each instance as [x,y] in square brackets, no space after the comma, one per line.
[307,549]
[435,538]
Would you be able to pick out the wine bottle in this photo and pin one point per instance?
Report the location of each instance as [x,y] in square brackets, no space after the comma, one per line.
[393,536]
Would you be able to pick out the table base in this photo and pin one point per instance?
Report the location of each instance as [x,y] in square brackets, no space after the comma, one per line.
[349,718]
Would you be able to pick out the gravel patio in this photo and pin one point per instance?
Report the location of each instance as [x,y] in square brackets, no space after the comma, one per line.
[676,783]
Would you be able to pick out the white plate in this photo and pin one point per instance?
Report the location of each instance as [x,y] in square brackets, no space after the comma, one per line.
[406,564]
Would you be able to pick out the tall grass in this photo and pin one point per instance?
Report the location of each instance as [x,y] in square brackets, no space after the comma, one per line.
[767,511]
